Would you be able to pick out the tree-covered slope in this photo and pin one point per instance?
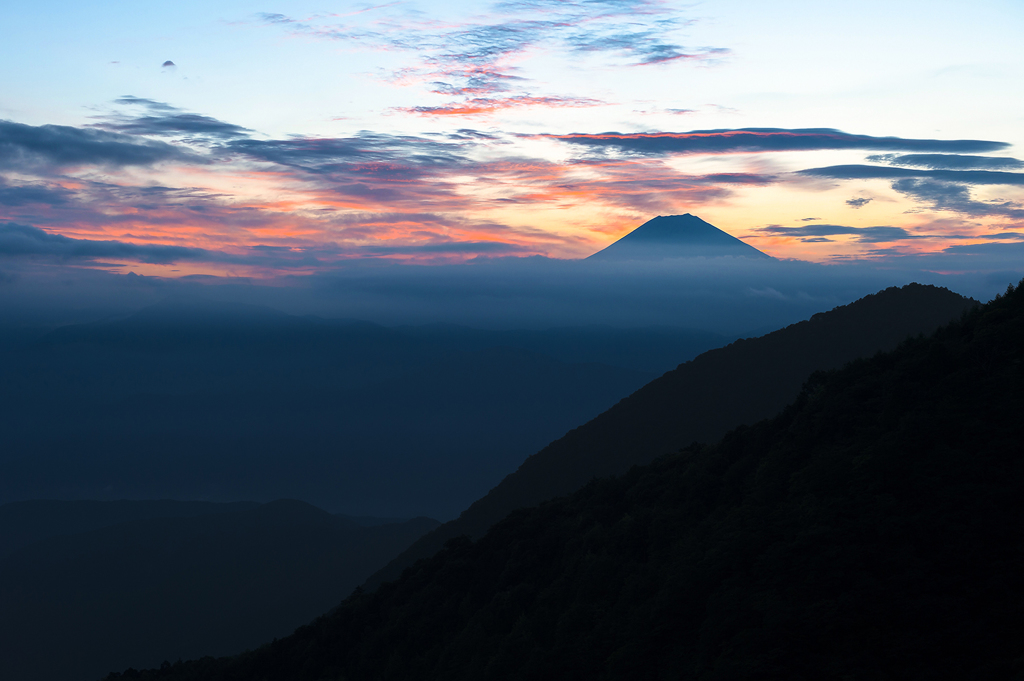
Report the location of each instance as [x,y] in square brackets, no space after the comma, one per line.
[700,401]
[870,531]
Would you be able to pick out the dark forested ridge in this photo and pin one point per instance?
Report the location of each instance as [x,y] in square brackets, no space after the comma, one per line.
[870,531]
[700,401]
[128,582]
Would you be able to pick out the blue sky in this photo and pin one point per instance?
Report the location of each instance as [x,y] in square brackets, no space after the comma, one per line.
[409,130]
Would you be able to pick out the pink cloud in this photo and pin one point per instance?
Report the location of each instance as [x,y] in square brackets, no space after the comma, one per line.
[490,105]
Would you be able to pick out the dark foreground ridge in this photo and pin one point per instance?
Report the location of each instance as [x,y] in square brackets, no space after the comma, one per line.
[870,531]
[677,236]
[700,401]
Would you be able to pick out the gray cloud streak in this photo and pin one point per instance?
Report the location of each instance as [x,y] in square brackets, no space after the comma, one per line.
[26,145]
[816,233]
[949,161]
[865,172]
[166,120]
[753,140]
[25,240]
[954,197]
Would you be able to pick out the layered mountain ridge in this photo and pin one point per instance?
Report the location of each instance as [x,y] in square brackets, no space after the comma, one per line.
[700,400]
[870,530]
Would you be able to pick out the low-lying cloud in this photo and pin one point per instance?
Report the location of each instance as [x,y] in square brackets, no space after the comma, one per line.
[25,240]
[819,233]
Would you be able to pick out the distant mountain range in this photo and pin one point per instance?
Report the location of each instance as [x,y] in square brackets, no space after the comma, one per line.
[700,401]
[81,545]
[870,530]
[171,402]
[677,236]
[127,582]
[24,523]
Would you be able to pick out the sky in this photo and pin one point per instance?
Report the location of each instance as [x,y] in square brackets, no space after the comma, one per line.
[231,139]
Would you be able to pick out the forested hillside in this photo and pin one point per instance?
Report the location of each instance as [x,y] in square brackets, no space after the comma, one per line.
[870,531]
[701,400]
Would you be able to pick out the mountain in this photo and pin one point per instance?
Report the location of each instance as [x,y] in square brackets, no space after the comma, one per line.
[26,522]
[676,236]
[701,400]
[173,401]
[870,531]
[653,349]
[125,583]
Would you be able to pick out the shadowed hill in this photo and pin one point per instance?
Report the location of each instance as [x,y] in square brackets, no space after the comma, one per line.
[870,531]
[26,522]
[172,579]
[700,401]
[677,236]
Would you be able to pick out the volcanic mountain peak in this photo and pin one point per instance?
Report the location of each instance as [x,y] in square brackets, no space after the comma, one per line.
[676,236]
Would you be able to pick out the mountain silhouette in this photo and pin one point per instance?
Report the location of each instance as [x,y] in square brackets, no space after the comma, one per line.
[26,522]
[869,531]
[134,581]
[676,236]
[173,400]
[701,400]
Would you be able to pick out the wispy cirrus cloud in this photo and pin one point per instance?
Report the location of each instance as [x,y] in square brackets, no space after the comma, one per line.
[478,62]
[161,119]
[489,105]
[641,30]
[645,46]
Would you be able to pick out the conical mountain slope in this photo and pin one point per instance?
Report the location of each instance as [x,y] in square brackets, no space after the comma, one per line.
[870,531]
[676,236]
[700,401]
